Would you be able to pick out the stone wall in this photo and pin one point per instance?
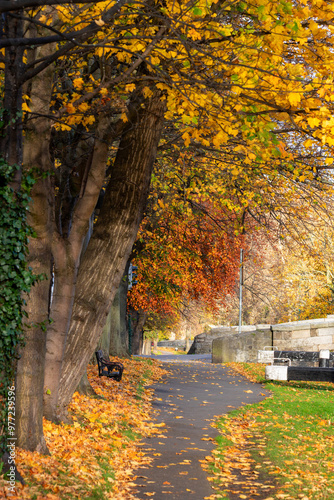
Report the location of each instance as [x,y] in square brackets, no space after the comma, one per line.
[202,343]
[311,335]
[226,344]
[172,343]
[240,347]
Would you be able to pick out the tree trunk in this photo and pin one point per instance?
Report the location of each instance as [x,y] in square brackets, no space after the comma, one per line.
[85,388]
[118,341]
[67,254]
[105,259]
[11,136]
[30,367]
[114,338]
[65,271]
[123,300]
[137,339]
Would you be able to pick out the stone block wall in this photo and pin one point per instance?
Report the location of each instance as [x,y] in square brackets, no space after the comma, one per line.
[302,358]
[203,342]
[311,335]
[240,347]
[226,344]
[180,344]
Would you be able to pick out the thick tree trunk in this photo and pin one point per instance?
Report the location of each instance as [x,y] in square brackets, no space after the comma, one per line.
[30,367]
[62,302]
[11,136]
[137,338]
[118,335]
[105,259]
[85,388]
[67,253]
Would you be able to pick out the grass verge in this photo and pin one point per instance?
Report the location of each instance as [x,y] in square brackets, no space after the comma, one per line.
[93,458]
[281,448]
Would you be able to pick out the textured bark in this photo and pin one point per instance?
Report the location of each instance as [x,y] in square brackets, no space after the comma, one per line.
[30,368]
[11,136]
[105,259]
[137,338]
[118,334]
[85,388]
[67,253]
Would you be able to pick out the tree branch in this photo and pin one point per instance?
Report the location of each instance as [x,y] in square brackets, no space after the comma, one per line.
[12,5]
[80,35]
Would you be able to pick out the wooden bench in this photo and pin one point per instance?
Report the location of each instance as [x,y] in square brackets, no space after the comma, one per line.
[108,368]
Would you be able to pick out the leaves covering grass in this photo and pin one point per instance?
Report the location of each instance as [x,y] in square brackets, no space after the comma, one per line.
[281,448]
[93,457]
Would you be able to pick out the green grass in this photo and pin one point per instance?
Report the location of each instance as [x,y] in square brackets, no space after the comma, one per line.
[145,376]
[290,438]
[99,492]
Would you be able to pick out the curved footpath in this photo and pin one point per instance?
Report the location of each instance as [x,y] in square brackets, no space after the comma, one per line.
[189,399]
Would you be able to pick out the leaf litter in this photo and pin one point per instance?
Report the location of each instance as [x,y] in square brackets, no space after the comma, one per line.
[96,454]
[281,448]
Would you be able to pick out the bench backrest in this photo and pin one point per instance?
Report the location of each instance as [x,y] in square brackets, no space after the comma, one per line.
[99,358]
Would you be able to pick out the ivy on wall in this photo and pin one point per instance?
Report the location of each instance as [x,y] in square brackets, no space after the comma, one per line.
[16,279]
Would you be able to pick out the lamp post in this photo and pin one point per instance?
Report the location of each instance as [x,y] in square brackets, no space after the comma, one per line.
[240,286]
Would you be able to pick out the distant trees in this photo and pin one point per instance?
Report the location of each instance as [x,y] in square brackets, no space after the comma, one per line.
[289,277]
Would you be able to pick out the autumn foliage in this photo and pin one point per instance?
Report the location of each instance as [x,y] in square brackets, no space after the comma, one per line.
[247,86]
[184,260]
[95,455]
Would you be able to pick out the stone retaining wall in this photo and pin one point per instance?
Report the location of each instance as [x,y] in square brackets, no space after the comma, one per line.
[203,342]
[311,335]
[227,344]
[241,347]
[181,344]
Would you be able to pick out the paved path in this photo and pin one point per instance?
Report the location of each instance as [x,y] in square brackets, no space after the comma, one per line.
[189,399]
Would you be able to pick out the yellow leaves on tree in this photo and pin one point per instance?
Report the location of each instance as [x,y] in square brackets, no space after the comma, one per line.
[247,70]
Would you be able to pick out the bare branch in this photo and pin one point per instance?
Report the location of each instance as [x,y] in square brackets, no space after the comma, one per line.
[80,35]
[12,5]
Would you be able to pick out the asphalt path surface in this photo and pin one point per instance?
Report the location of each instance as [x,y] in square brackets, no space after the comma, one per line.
[189,399]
